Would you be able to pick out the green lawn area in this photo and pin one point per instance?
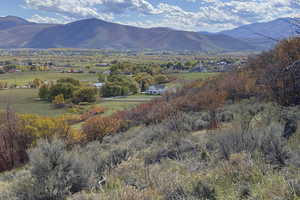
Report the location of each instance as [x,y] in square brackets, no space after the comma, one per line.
[121,103]
[25,101]
[112,107]
[144,96]
[195,75]
[139,96]
[22,78]
[182,78]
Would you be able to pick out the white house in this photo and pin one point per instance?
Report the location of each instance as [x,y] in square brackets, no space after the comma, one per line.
[156,89]
[102,65]
[107,72]
[98,85]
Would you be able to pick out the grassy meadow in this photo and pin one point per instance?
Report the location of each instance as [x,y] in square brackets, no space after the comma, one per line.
[195,75]
[26,101]
[22,78]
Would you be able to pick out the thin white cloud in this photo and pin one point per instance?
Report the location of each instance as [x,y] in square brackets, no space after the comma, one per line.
[75,8]
[61,19]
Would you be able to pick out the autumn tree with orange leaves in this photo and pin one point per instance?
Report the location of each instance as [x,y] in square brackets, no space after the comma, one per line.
[98,127]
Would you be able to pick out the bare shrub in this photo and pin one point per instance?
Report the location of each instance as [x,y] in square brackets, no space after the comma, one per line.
[290,128]
[13,142]
[57,173]
[54,174]
[295,187]
[179,122]
[203,190]
[50,162]
[267,141]
[200,124]
[225,116]
[149,113]
[244,191]
[176,151]
[177,193]
[117,156]
[200,190]
[84,196]
[96,163]
[236,142]
[275,150]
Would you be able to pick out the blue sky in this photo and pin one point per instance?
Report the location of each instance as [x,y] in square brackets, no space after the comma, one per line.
[193,15]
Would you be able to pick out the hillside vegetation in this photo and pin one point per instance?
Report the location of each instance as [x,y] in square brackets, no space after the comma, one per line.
[232,136]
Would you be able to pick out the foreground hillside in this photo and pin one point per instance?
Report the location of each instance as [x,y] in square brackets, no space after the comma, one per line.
[234,136]
[171,160]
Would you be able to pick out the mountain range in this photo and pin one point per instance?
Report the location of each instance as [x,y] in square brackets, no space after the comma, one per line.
[265,35]
[16,32]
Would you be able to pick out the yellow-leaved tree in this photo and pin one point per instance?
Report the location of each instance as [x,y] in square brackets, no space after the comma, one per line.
[38,127]
[59,101]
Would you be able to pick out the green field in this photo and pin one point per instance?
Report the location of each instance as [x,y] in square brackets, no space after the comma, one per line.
[25,101]
[183,78]
[195,75]
[22,78]
[112,107]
